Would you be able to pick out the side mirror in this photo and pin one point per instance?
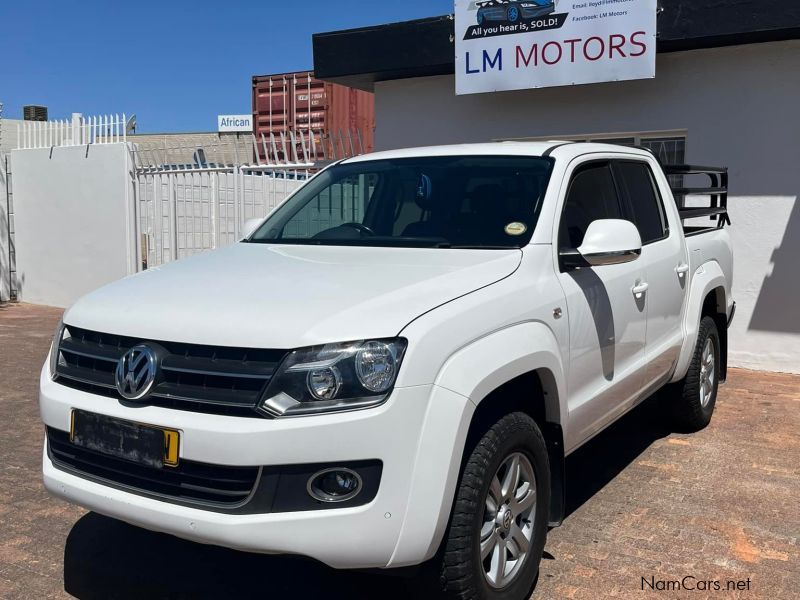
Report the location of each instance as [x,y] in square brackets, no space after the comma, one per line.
[250,226]
[607,242]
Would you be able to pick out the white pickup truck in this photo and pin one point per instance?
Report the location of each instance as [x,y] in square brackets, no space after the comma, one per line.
[391,368]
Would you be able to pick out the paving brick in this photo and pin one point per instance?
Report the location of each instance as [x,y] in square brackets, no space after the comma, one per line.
[643,501]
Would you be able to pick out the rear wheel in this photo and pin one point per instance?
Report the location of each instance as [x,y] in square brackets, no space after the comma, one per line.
[513,13]
[693,399]
[497,531]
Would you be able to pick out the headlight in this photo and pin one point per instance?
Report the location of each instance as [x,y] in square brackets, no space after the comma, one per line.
[334,377]
[55,355]
[376,366]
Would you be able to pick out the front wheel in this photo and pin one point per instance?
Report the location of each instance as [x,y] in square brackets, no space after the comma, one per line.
[497,531]
[513,13]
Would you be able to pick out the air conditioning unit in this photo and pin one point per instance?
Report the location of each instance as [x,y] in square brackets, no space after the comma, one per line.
[32,112]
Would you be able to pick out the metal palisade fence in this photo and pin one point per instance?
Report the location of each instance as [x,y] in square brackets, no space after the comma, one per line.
[190,199]
[180,213]
[77,131]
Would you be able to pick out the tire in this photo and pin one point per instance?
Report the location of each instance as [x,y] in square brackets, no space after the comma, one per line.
[514,439]
[514,14]
[692,400]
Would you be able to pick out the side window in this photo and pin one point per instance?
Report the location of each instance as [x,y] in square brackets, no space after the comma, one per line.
[638,188]
[591,196]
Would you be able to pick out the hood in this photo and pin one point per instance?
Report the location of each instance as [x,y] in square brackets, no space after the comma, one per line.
[271,296]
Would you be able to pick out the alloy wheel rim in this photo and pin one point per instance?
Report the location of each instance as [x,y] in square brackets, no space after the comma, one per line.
[507,529]
[707,373]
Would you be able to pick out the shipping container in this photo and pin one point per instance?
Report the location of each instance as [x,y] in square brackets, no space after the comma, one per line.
[297,102]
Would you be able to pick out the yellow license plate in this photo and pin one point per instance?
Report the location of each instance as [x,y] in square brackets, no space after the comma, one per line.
[135,442]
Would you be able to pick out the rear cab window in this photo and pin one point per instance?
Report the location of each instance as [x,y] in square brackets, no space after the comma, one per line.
[641,199]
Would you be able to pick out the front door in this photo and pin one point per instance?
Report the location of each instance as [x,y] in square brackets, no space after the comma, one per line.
[607,320]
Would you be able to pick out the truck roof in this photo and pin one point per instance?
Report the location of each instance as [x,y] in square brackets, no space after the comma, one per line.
[716,191]
[560,148]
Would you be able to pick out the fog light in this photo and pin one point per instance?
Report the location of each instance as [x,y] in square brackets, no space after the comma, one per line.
[334,485]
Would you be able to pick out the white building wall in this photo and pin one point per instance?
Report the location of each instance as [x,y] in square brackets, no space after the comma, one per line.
[73,220]
[738,107]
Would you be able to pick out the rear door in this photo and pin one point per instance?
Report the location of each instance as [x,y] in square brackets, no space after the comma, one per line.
[664,260]
[606,320]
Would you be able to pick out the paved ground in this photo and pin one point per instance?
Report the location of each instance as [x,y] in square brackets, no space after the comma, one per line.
[644,503]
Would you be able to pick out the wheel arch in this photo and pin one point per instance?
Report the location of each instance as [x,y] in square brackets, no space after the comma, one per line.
[475,379]
[516,369]
[527,349]
[716,307]
[533,393]
[707,296]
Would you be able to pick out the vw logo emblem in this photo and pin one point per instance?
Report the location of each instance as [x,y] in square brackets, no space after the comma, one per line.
[136,372]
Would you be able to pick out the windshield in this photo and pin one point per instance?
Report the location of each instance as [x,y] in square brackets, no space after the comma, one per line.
[440,202]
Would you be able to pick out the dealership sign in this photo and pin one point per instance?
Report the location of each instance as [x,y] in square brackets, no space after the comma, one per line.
[521,44]
[228,123]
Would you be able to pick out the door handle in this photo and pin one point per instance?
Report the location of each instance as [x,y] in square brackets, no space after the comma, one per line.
[682,269]
[639,289]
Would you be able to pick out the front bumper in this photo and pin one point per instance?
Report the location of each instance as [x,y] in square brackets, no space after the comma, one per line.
[356,537]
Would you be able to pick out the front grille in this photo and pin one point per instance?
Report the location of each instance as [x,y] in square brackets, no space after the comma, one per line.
[190,482]
[211,379]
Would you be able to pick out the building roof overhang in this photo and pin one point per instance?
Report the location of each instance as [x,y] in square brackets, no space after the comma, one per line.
[425,47]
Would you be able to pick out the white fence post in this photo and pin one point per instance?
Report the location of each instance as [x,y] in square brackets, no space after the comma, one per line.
[214,209]
[172,207]
[236,203]
[77,139]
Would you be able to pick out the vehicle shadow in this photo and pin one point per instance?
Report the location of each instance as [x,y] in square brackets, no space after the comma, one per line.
[590,468]
[108,559]
[599,304]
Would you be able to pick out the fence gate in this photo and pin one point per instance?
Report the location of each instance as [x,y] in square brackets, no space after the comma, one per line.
[188,200]
[180,213]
